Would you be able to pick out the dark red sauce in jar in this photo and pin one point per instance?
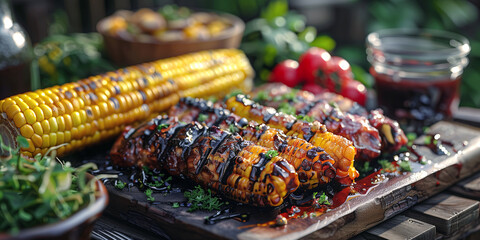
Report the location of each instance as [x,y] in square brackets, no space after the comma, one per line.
[417,99]
[417,72]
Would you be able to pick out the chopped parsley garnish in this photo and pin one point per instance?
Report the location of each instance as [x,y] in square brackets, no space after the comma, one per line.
[286,108]
[232,128]
[146,170]
[162,126]
[271,154]
[322,199]
[365,168]
[405,166]
[202,200]
[387,165]
[305,118]
[291,96]
[411,136]
[261,97]
[120,185]
[176,205]
[202,117]
[428,140]
[148,193]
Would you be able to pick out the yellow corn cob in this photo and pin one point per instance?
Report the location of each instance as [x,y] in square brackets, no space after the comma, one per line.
[96,108]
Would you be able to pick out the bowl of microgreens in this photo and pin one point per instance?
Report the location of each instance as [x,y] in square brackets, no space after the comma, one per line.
[45,198]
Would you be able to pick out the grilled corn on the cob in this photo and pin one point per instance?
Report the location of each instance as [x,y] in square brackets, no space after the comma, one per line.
[99,107]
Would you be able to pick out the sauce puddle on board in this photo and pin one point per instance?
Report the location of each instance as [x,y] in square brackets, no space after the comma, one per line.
[314,209]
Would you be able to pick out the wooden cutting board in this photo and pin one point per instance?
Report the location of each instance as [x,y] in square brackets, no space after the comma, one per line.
[357,214]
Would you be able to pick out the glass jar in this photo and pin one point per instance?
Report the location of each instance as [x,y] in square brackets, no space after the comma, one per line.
[417,72]
[15,54]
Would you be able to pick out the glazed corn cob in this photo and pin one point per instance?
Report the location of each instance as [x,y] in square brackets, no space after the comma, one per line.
[340,148]
[371,132]
[214,158]
[313,165]
[99,107]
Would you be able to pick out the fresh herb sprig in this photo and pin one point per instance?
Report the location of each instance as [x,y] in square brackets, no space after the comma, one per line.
[202,200]
[40,190]
[271,154]
[322,199]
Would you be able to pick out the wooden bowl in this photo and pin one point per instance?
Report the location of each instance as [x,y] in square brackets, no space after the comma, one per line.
[130,52]
[77,226]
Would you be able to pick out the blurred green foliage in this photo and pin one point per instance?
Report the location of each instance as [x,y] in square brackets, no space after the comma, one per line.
[277,35]
[63,57]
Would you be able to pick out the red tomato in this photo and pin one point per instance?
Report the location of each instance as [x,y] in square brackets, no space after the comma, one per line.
[313,88]
[354,90]
[339,72]
[314,64]
[340,66]
[286,72]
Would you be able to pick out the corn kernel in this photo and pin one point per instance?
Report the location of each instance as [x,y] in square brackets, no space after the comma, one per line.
[45,126]
[60,138]
[19,119]
[7,103]
[74,132]
[101,96]
[47,111]
[23,106]
[82,131]
[37,128]
[12,110]
[37,151]
[39,114]
[83,116]
[27,131]
[30,116]
[111,104]
[54,110]
[33,95]
[46,100]
[53,124]
[60,108]
[53,139]
[88,129]
[103,106]
[61,150]
[67,136]
[101,124]
[30,102]
[68,106]
[61,123]
[37,140]
[68,121]
[76,119]
[122,103]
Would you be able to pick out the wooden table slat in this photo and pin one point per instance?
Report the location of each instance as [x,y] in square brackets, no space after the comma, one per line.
[447,212]
[402,227]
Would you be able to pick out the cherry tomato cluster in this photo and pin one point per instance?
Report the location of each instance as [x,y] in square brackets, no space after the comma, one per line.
[320,72]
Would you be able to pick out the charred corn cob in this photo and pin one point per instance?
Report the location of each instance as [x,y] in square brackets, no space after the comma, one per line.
[213,158]
[340,148]
[99,107]
[371,132]
[313,165]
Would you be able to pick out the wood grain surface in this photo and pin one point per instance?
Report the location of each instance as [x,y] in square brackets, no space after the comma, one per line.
[402,227]
[358,213]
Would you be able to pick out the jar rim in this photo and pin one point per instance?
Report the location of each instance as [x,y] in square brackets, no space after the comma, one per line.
[417,42]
